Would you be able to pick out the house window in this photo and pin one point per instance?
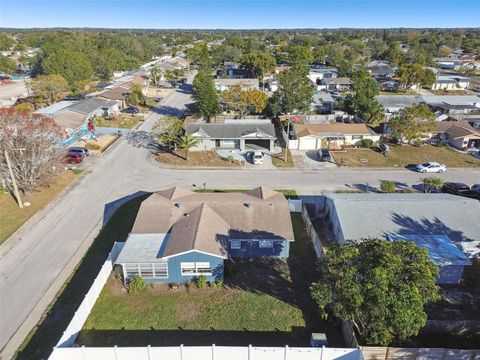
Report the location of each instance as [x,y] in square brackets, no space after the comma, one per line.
[357,137]
[235,244]
[196,268]
[147,271]
[265,244]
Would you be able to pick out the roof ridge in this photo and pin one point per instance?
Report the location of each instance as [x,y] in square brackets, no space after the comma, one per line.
[197,223]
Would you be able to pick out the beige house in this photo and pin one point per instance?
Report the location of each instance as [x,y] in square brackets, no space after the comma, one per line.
[332,136]
[459,134]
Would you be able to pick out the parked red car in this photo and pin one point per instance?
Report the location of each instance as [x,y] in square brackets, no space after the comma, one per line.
[74,158]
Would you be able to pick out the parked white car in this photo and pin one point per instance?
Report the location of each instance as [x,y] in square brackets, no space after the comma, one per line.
[431,166]
[257,157]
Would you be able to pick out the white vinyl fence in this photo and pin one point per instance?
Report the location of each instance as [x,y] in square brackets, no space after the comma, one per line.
[205,353]
[81,315]
[312,233]
[295,205]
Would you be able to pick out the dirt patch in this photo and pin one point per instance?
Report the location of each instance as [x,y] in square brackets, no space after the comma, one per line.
[195,158]
[188,311]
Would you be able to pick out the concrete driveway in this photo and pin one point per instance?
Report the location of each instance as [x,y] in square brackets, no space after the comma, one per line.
[309,160]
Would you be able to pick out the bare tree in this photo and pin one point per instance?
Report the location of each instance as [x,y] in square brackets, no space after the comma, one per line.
[29,140]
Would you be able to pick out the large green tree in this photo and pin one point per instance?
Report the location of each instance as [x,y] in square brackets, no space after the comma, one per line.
[413,74]
[295,90]
[49,88]
[258,63]
[363,101]
[205,95]
[380,286]
[72,65]
[412,123]
[7,65]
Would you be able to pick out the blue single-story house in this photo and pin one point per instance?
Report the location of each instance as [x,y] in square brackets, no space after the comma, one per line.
[179,234]
[443,252]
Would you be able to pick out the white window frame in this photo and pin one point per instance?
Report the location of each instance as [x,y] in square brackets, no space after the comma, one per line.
[196,266]
[133,269]
[265,244]
[235,244]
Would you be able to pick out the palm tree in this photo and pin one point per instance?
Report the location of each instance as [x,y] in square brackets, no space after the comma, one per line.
[155,74]
[432,183]
[186,142]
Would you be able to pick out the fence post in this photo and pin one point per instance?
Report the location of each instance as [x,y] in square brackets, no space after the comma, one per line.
[213,351]
[285,352]
[249,352]
[84,353]
[148,351]
[181,351]
[115,351]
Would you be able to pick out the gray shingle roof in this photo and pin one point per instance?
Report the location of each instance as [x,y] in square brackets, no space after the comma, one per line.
[232,131]
[378,215]
[90,105]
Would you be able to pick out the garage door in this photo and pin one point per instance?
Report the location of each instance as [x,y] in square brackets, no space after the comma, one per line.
[307,144]
[258,143]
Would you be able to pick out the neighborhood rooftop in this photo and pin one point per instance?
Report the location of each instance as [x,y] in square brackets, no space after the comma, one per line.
[89,105]
[379,215]
[230,130]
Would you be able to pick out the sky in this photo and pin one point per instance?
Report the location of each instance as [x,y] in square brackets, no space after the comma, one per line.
[239,14]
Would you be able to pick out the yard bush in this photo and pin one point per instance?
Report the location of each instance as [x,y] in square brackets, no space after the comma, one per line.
[77,171]
[367,143]
[137,285]
[217,283]
[388,186]
[201,281]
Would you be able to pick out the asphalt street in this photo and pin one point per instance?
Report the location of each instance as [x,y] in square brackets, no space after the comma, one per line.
[35,260]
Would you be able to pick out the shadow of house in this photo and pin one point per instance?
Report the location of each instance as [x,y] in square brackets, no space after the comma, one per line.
[188,337]
[257,244]
[111,207]
[51,327]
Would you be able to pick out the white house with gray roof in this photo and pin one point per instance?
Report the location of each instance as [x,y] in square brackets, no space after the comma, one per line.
[235,135]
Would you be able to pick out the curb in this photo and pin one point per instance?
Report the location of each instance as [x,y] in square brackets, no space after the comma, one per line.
[40,214]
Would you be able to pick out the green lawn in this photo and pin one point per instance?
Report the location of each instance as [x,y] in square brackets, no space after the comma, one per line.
[12,217]
[402,156]
[46,334]
[263,302]
[122,121]
[278,160]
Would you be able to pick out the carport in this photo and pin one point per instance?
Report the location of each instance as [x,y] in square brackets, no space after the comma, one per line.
[259,143]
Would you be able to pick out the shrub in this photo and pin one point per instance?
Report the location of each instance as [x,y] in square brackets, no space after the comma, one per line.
[367,143]
[77,171]
[201,281]
[387,186]
[92,146]
[217,283]
[229,268]
[137,285]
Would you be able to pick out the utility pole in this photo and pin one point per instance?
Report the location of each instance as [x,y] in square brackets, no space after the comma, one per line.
[286,143]
[15,188]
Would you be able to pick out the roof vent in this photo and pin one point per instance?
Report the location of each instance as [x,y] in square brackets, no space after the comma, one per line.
[178,205]
[186,214]
[248,205]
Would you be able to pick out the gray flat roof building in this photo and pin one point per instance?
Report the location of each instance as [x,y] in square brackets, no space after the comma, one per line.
[357,216]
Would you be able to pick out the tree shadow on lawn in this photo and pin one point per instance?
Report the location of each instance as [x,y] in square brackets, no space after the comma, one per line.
[289,281]
[48,332]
